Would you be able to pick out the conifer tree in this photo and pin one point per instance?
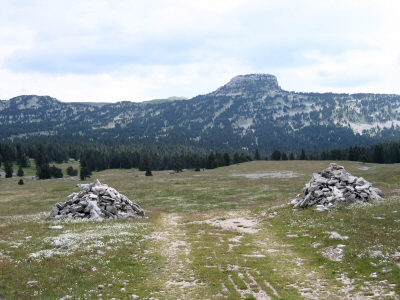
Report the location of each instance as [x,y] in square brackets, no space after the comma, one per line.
[148,172]
[303,155]
[284,156]
[43,172]
[85,172]
[236,158]
[20,172]
[210,161]
[257,155]
[276,155]
[178,167]
[227,159]
[8,169]
[379,154]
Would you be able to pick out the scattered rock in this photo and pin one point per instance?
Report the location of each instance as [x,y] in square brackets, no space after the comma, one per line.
[96,201]
[396,255]
[57,243]
[56,227]
[335,235]
[335,185]
[32,283]
[334,253]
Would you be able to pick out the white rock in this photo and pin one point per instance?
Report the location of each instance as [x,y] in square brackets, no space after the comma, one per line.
[56,227]
[57,243]
[335,235]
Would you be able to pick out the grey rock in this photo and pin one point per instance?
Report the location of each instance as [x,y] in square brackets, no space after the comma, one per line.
[54,212]
[332,185]
[64,211]
[108,214]
[76,208]
[96,201]
[112,209]
[32,283]
[61,205]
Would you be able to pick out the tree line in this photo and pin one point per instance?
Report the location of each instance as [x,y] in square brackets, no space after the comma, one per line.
[146,158]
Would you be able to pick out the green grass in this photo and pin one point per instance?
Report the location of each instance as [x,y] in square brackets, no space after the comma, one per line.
[181,252]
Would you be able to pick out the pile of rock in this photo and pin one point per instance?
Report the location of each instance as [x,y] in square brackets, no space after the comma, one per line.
[335,185]
[96,201]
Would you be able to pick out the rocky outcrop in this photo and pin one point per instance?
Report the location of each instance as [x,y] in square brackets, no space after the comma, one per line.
[96,201]
[247,84]
[335,185]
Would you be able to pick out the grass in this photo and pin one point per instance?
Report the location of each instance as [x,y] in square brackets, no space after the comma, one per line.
[197,243]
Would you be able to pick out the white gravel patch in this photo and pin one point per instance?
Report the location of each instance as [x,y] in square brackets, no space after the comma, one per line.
[288,174]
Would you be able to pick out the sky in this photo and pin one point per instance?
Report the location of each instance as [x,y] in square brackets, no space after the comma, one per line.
[138,50]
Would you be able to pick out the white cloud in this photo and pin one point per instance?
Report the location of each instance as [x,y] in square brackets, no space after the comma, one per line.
[139,50]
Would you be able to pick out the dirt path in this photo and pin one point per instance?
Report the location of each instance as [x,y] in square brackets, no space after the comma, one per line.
[239,257]
[178,279]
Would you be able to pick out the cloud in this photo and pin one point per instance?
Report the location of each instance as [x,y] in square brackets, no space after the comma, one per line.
[139,50]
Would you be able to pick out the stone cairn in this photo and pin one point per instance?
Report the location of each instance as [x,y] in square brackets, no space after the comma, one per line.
[335,185]
[96,201]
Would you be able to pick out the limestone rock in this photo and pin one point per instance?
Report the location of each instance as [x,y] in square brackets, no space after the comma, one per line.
[335,185]
[96,201]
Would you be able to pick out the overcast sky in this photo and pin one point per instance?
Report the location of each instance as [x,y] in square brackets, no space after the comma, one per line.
[109,51]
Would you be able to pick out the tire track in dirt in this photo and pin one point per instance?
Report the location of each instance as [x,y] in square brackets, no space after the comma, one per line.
[179,279]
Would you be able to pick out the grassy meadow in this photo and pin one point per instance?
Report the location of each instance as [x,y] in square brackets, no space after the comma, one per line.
[226,233]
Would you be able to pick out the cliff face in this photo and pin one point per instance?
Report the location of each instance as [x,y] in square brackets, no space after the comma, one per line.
[246,84]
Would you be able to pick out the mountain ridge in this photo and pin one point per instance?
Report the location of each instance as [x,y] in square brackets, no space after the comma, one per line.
[250,111]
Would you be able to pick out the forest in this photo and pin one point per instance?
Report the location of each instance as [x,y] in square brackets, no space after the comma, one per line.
[96,156]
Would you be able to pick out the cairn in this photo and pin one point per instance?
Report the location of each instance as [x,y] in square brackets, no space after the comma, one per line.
[96,201]
[335,185]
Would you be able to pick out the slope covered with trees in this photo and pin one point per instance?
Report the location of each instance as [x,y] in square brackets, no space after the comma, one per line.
[248,113]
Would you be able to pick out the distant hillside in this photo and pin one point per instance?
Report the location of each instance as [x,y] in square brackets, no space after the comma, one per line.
[170,99]
[249,112]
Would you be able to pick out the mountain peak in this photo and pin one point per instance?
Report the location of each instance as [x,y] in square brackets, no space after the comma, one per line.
[242,84]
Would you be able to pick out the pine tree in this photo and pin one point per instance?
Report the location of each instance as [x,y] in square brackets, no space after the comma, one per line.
[70,169]
[291,156]
[85,172]
[236,158]
[227,159]
[284,156]
[215,164]
[56,172]
[210,161]
[178,167]
[43,172]
[21,182]
[351,156]
[41,157]
[20,172]
[148,172]
[303,155]
[8,169]
[257,155]
[276,155]
[379,154]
